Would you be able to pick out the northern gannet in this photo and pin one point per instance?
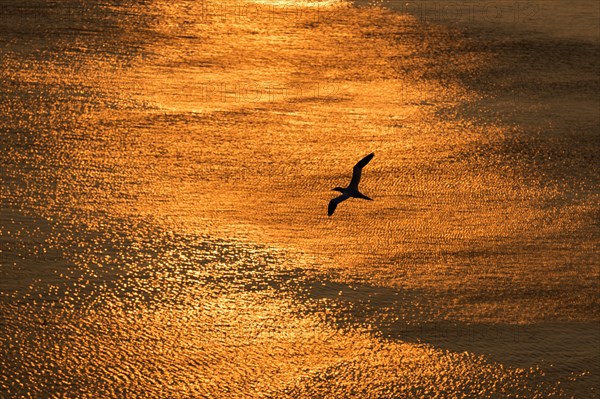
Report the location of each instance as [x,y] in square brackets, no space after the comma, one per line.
[352,189]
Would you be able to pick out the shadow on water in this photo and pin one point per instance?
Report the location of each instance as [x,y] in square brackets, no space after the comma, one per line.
[561,349]
[395,314]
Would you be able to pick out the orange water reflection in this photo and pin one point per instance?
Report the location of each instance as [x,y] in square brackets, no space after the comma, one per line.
[166,188]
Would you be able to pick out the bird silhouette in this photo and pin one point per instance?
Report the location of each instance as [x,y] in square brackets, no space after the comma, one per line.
[352,189]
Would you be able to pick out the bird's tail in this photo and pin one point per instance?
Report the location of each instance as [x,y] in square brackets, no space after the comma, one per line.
[361,195]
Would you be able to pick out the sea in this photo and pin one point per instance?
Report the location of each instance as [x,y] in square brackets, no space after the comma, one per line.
[166,168]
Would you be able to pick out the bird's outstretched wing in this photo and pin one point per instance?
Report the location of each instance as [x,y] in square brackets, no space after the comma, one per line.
[334,203]
[357,171]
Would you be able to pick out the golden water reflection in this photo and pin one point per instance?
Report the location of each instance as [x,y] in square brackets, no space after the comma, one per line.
[164,231]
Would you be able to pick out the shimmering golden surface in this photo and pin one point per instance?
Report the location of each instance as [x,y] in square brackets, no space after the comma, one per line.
[165,175]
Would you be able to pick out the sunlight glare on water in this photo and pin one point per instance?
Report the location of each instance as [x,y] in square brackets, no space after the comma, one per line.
[166,171]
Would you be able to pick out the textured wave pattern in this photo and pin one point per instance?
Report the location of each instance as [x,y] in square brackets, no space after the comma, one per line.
[165,177]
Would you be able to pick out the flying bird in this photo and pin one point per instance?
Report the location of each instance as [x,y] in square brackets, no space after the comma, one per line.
[352,189]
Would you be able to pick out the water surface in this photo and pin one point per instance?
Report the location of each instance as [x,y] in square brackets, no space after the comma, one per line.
[166,171]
